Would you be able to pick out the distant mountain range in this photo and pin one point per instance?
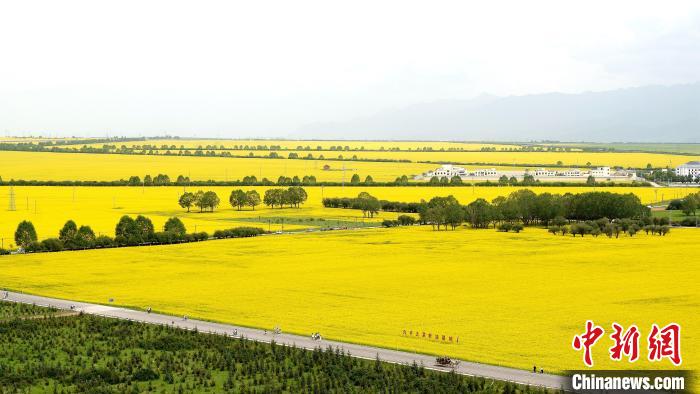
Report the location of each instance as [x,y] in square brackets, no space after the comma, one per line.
[643,114]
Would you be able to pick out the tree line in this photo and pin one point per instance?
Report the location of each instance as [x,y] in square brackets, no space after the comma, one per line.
[605,226]
[293,196]
[306,180]
[128,232]
[226,153]
[521,206]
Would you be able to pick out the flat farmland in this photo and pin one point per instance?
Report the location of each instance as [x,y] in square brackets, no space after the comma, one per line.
[313,144]
[517,159]
[49,207]
[110,167]
[441,152]
[512,299]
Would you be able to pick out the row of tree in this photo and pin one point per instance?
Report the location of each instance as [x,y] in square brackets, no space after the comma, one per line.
[293,196]
[128,232]
[306,180]
[521,206]
[604,226]
[205,201]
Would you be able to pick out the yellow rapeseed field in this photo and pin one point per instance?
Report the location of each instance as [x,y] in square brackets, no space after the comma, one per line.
[49,207]
[631,159]
[100,207]
[110,167]
[572,158]
[512,299]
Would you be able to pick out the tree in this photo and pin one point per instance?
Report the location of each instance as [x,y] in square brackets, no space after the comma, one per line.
[134,181]
[175,226]
[355,180]
[147,180]
[125,227]
[186,200]
[479,213]
[590,181]
[456,180]
[85,237]
[369,180]
[143,228]
[274,197]
[210,200]
[690,205]
[238,198]
[253,198]
[454,215]
[369,205]
[199,200]
[68,232]
[25,234]
[294,196]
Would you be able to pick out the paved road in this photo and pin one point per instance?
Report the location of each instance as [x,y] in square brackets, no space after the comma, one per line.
[366,352]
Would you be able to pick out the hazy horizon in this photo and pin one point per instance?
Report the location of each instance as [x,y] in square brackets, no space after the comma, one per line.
[269,70]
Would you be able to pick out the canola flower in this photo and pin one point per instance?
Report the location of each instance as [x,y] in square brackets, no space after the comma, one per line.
[571,158]
[49,207]
[512,299]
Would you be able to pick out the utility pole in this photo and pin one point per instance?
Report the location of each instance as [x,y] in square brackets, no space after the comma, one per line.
[12,206]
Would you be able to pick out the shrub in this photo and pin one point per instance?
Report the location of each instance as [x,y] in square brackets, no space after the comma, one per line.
[33,247]
[689,222]
[238,232]
[390,223]
[52,245]
[104,241]
[406,220]
[517,227]
[505,227]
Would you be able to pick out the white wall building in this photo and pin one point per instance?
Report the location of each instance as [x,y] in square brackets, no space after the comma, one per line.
[447,170]
[574,172]
[691,168]
[601,172]
[544,172]
[485,172]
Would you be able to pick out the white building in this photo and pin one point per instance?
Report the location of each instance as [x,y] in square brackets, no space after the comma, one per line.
[601,172]
[542,172]
[447,170]
[574,172]
[691,168]
[485,172]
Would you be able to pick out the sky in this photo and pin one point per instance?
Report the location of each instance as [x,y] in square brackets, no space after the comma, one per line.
[266,68]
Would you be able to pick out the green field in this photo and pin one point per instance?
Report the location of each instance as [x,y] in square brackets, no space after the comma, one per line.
[86,354]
